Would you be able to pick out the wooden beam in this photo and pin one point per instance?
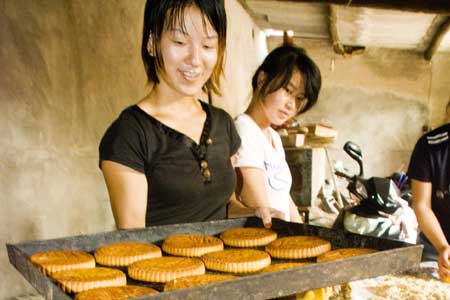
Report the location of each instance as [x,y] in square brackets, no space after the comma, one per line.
[437,39]
[288,38]
[334,35]
[426,6]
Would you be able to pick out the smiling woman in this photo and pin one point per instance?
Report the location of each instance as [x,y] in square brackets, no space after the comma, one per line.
[167,159]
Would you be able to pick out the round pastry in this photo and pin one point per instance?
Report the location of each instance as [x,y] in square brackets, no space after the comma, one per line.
[78,280]
[248,237]
[236,260]
[296,247]
[123,254]
[343,253]
[191,245]
[163,269]
[196,280]
[283,266]
[115,293]
[54,261]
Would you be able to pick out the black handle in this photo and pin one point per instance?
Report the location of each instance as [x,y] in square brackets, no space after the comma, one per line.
[355,152]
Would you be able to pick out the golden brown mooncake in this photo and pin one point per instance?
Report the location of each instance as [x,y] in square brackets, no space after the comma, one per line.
[296,247]
[196,280]
[237,260]
[166,268]
[78,280]
[54,261]
[283,266]
[248,237]
[123,254]
[344,253]
[191,245]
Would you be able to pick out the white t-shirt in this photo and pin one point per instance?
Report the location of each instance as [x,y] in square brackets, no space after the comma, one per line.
[257,152]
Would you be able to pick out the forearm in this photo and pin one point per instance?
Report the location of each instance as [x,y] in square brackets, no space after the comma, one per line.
[430,226]
[128,220]
[254,193]
[252,198]
[294,213]
[433,231]
[236,208]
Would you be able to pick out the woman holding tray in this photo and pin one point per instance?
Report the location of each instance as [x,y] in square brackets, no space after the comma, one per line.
[167,159]
[286,84]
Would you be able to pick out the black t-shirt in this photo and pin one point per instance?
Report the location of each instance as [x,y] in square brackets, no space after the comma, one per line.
[178,191]
[430,162]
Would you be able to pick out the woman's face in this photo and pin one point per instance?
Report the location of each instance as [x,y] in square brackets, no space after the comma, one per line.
[189,54]
[285,102]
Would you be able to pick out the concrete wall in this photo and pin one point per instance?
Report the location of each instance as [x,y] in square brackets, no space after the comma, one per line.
[68,69]
[380,99]
[242,58]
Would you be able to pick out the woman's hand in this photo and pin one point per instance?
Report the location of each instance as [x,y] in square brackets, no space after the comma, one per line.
[236,209]
[266,214]
[443,263]
[254,195]
[295,216]
[429,224]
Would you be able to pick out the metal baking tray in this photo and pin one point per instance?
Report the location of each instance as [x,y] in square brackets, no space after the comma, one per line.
[393,257]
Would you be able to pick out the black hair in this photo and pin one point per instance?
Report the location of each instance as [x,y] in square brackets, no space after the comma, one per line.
[278,67]
[163,14]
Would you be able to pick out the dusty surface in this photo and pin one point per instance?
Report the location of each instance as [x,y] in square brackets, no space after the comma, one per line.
[420,284]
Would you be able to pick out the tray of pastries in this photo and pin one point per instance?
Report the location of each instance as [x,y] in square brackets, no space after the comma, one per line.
[225,259]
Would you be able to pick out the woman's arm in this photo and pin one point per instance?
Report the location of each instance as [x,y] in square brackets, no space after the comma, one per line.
[254,195]
[293,212]
[236,209]
[429,224]
[127,190]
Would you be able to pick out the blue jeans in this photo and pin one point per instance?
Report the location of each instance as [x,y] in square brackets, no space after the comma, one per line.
[429,252]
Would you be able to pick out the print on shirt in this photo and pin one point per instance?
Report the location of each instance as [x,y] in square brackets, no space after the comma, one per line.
[438,138]
[277,176]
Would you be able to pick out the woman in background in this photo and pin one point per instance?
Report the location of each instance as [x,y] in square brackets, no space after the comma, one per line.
[286,84]
[429,170]
[167,159]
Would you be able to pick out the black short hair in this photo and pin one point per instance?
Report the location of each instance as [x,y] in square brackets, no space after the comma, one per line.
[160,14]
[278,67]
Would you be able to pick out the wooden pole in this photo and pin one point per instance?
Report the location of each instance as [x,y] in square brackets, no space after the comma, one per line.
[337,46]
[437,39]
[288,38]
